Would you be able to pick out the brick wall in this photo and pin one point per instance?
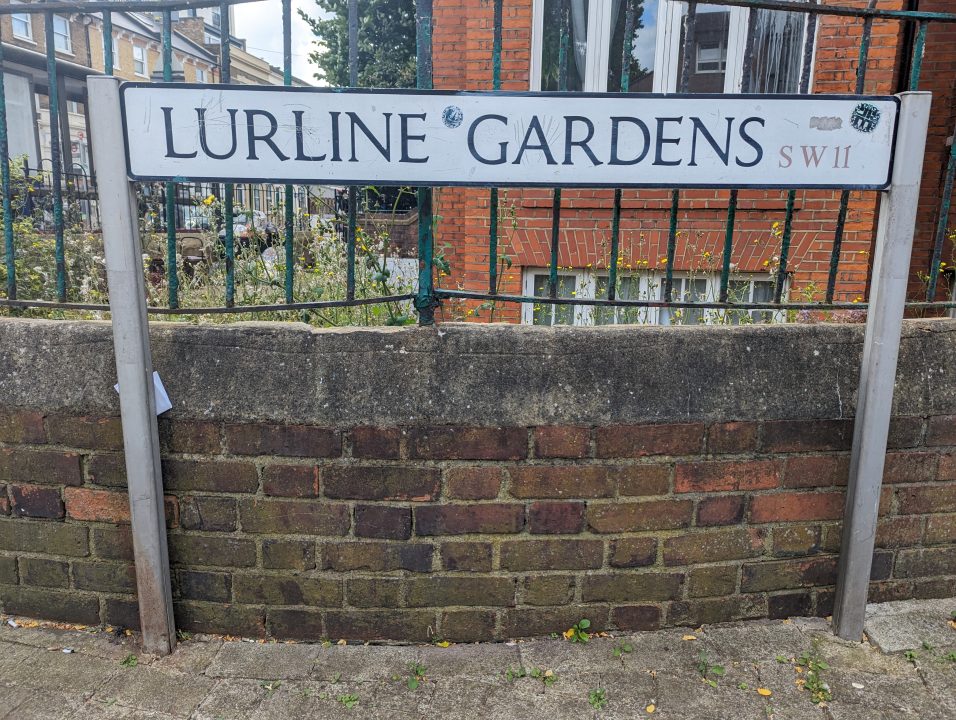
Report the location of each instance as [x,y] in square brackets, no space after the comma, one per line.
[462,47]
[484,515]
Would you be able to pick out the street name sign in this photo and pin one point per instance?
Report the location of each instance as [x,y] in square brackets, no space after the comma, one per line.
[409,137]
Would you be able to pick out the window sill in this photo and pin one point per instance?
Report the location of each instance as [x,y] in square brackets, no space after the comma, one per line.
[24,39]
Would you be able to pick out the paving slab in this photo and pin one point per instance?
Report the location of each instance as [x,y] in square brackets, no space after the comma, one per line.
[208,679]
[147,688]
[908,624]
[264,661]
[231,698]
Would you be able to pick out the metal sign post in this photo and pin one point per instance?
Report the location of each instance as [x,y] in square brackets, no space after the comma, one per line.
[894,244]
[134,367]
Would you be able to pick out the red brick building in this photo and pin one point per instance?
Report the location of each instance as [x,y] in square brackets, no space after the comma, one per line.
[463,36]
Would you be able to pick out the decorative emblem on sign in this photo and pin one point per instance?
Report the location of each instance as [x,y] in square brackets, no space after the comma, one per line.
[865,117]
[452,116]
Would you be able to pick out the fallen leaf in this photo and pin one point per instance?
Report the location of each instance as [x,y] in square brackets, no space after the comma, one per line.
[764,691]
[343,641]
[443,644]
[568,633]
[858,686]
[689,637]
[650,709]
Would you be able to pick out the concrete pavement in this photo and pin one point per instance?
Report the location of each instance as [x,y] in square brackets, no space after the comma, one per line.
[763,669]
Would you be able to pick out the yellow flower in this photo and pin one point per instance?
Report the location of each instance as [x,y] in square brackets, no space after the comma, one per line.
[766,263]
[209,200]
[663,261]
[764,691]
[568,633]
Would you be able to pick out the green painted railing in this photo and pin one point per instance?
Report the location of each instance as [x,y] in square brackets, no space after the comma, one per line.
[56,182]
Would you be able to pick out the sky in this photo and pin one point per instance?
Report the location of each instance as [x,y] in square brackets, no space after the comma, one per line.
[260,24]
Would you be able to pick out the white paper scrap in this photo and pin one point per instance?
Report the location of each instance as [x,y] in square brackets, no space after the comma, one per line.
[163,403]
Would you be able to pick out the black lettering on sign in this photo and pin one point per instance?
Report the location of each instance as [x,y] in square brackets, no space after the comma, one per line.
[503,146]
[170,151]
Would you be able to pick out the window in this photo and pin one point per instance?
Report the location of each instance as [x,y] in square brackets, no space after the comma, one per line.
[216,19]
[596,47]
[73,106]
[139,60]
[61,35]
[116,55]
[22,26]
[200,75]
[210,39]
[687,288]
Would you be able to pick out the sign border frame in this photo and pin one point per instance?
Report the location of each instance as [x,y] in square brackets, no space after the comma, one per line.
[504,93]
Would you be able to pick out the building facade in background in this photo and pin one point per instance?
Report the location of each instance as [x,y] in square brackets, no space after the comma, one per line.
[531,30]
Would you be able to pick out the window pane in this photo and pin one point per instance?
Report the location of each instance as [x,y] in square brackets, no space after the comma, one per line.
[762,292]
[603,315]
[551,43]
[687,290]
[777,54]
[545,314]
[641,76]
[21,25]
[738,291]
[61,34]
[629,288]
[709,61]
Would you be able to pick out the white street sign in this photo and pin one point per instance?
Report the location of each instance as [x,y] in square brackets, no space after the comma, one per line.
[308,135]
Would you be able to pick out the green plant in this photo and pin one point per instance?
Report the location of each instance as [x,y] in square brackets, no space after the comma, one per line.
[417,675]
[622,649]
[709,672]
[911,656]
[597,699]
[547,677]
[577,633]
[130,661]
[812,682]
[512,674]
[950,657]
[349,700]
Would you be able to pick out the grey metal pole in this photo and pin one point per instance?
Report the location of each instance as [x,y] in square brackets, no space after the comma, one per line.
[134,367]
[894,245]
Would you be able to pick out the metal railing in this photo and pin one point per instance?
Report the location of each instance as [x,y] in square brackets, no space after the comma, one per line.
[428,296]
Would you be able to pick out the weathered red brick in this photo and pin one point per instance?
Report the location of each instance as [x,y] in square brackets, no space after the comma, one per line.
[941,430]
[376,556]
[924,499]
[947,468]
[467,519]
[95,433]
[940,529]
[210,476]
[442,591]
[22,426]
[214,514]
[720,510]
[562,441]
[97,505]
[562,481]
[466,556]
[635,517]
[732,437]
[806,435]
[107,469]
[217,551]
[473,483]
[641,440]
[289,440]
[808,471]
[636,617]
[905,432]
[36,501]
[377,443]
[547,589]
[469,443]
[713,546]
[727,475]
[910,467]
[467,625]
[795,507]
[926,562]
[39,467]
[520,555]
[296,481]
[644,479]
[632,552]
[376,482]
[630,587]
[190,436]
[294,517]
[796,540]
[785,574]
[383,521]
[555,518]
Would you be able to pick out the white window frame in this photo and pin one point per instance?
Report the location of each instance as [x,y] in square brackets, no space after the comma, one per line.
[137,61]
[62,32]
[24,18]
[116,55]
[200,75]
[667,69]
[651,288]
